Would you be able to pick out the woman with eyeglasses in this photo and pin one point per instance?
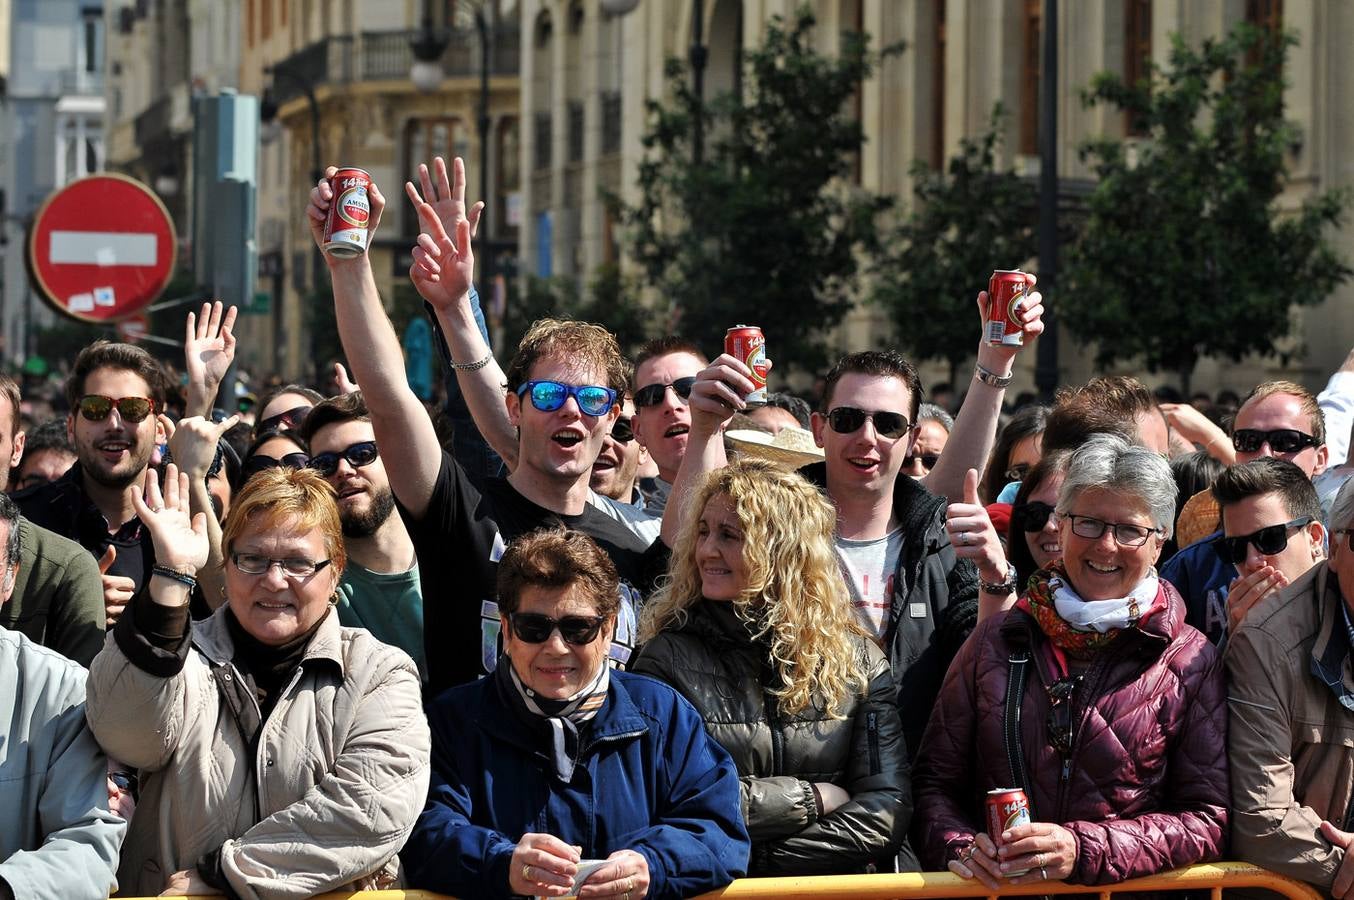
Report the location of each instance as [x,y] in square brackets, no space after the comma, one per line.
[557,775]
[280,755]
[755,628]
[1092,695]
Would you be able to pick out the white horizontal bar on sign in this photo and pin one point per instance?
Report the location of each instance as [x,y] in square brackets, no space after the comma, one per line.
[102,248]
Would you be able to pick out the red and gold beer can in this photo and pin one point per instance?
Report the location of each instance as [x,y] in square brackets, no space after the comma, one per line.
[747,344]
[1006,808]
[345,228]
[1005,301]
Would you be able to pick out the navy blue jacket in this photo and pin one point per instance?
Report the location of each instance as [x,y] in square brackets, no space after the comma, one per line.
[649,779]
[1202,578]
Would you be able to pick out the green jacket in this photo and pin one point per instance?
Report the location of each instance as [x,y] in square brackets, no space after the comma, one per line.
[58,597]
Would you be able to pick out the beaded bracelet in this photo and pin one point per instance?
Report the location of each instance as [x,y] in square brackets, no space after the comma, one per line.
[175,575]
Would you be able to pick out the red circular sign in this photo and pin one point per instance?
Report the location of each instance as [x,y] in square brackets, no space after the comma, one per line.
[101,248]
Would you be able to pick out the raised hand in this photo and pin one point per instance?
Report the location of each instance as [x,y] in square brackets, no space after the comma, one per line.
[443,269]
[342,382]
[194,442]
[998,359]
[322,195]
[180,538]
[208,351]
[972,533]
[445,195]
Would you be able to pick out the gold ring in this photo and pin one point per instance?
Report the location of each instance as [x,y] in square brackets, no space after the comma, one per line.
[629,885]
[526,872]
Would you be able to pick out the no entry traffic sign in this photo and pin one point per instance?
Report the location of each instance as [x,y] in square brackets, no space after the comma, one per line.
[101,248]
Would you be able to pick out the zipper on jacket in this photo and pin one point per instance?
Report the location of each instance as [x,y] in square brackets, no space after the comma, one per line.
[872,728]
[769,705]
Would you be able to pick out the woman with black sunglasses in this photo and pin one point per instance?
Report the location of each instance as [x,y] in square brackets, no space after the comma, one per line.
[1033,540]
[1092,695]
[558,775]
[755,628]
[273,448]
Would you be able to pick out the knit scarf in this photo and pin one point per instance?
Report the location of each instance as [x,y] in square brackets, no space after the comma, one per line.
[563,718]
[1080,628]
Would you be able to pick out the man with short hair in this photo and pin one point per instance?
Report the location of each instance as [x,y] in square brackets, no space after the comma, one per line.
[560,399]
[1109,404]
[782,410]
[1277,419]
[665,370]
[115,392]
[380,589]
[1291,717]
[47,455]
[56,599]
[57,835]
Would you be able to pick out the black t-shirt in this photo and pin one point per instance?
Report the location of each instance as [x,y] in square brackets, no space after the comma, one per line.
[460,539]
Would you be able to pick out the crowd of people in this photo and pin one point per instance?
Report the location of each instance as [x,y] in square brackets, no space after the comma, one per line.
[624,635]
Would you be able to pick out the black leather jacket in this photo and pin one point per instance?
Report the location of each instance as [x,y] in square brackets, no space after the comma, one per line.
[714,663]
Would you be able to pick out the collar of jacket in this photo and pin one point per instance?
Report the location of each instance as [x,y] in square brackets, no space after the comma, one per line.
[618,719]
[1020,629]
[1331,650]
[66,501]
[914,506]
[211,636]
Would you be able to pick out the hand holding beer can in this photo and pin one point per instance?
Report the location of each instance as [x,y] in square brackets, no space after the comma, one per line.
[1006,808]
[747,344]
[345,228]
[1006,291]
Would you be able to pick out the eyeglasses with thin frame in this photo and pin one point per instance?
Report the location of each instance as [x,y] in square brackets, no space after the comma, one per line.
[1126,534]
[291,566]
[1059,724]
[1034,516]
[623,430]
[548,396]
[260,462]
[1280,440]
[928,460]
[536,628]
[1269,540]
[363,453]
[653,394]
[97,407]
[849,420]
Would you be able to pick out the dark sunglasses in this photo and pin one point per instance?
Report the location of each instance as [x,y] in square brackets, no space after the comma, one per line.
[127,782]
[1035,516]
[653,394]
[548,396]
[848,420]
[535,628]
[1269,540]
[96,407]
[361,454]
[1060,694]
[1281,440]
[623,432]
[259,462]
[928,461]
[284,421]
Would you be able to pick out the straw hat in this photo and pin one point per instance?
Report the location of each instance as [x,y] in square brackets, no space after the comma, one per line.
[791,447]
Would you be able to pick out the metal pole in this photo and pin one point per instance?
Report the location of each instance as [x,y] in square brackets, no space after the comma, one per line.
[1046,363]
[698,55]
[486,244]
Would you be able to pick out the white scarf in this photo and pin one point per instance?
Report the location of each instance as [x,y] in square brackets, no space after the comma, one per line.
[1104,615]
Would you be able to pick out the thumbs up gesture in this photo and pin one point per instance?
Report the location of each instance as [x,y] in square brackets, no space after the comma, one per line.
[972,533]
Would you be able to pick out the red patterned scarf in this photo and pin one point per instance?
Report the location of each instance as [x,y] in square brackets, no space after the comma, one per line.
[1038,602]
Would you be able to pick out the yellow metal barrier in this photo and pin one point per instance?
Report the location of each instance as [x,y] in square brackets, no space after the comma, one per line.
[1216,878]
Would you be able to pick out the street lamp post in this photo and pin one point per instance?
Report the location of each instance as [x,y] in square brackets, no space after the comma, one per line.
[1046,358]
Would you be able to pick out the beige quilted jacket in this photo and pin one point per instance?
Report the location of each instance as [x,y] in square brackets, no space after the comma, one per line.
[324,803]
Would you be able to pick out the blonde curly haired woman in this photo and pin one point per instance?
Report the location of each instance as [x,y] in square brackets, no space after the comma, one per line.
[755,628]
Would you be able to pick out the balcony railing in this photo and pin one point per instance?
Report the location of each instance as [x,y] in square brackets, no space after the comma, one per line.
[387,55]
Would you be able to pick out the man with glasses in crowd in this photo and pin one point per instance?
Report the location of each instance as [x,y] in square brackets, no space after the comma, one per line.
[116,393]
[665,370]
[1291,717]
[380,589]
[561,399]
[1278,419]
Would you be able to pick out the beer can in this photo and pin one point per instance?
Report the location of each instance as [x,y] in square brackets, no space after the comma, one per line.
[747,344]
[345,228]
[1006,808]
[1006,300]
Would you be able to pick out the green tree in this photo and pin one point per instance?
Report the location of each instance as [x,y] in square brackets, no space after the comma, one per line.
[966,220]
[1185,252]
[610,300]
[765,231]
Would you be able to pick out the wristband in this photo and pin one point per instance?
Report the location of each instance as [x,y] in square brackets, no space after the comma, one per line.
[474,366]
[987,376]
[1001,588]
[182,578]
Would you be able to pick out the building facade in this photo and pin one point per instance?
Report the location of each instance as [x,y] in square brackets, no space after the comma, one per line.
[581,65]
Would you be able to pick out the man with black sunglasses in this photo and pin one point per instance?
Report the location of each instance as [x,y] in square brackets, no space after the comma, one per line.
[116,394]
[1279,420]
[380,589]
[560,405]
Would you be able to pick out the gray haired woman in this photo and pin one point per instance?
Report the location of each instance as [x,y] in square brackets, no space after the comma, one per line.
[1092,695]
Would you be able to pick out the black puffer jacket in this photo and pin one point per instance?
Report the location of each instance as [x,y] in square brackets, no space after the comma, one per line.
[715,664]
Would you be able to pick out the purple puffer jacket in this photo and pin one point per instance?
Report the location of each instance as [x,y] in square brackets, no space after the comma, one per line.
[1145,786]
